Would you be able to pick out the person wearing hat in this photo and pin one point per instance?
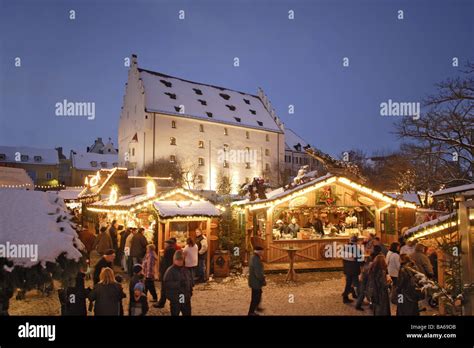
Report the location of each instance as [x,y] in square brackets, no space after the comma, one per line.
[256,280]
[138,305]
[165,263]
[105,261]
[178,285]
[351,263]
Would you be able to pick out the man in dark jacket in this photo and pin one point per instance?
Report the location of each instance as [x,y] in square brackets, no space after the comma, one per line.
[178,286]
[105,261]
[73,299]
[165,263]
[256,279]
[138,247]
[351,262]
[318,225]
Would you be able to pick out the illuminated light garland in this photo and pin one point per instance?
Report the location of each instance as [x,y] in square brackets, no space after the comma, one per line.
[15,186]
[437,228]
[113,197]
[113,211]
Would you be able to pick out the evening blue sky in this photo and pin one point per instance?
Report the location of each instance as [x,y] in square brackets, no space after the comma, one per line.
[296,62]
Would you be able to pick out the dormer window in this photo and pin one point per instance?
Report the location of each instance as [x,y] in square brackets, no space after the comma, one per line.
[253,112]
[103,164]
[24,158]
[166,83]
[209,114]
[225,96]
[231,107]
[247,101]
[237,119]
[3,157]
[94,164]
[115,164]
[197,91]
[203,102]
[171,95]
[260,123]
[38,158]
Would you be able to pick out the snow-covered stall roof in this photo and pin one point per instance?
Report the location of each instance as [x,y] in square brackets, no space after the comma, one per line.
[93,161]
[70,193]
[30,155]
[407,196]
[170,209]
[453,190]
[165,94]
[30,218]
[15,177]
[429,224]
[292,140]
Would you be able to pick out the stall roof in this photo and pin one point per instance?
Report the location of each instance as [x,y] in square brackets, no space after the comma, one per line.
[407,196]
[454,190]
[171,209]
[316,183]
[15,177]
[432,226]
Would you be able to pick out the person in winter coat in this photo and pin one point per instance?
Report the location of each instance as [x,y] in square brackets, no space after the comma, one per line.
[422,261]
[149,263]
[201,242]
[378,285]
[123,238]
[408,293]
[393,262]
[138,247]
[178,286]
[256,280]
[127,248]
[88,239]
[408,248]
[363,279]
[138,305]
[191,256]
[73,299]
[105,261]
[166,262]
[113,235]
[103,241]
[351,263]
[107,294]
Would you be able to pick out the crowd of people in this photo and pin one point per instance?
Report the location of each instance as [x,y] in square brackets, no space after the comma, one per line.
[384,276]
[129,251]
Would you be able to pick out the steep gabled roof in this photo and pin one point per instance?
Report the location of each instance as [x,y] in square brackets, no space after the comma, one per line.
[292,140]
[165,94]
[46,156]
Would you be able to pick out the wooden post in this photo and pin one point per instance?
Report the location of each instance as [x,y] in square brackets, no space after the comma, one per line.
[441,280]
[208,235]
[268,232]
[466,232]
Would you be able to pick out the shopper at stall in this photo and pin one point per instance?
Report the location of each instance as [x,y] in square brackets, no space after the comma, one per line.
[138,305]
[149,263]
[178,286]
[256,280]
[293,228]
[138,247]
[113,235]
[127,248]
[408,248]
[201,241]
[105,261]
[422,261]
[378,285]
[107,294]
[393,262]
[103,241]
[123,238]
[191,256]
[407,289]
[166,262]
[351,262]
[363,278]
[176,245]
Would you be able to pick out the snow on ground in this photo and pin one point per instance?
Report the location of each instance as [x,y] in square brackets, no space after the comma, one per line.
[29,218]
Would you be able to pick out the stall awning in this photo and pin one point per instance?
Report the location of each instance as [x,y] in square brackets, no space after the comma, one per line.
[443,223]
[172,209]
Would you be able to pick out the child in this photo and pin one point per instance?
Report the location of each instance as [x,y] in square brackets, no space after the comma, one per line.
[138,303]
[148,266]
[136,278]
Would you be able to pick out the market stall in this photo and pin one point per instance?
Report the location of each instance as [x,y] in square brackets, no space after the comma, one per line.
[319,214]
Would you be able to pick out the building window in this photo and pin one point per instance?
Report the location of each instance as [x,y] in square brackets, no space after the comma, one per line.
[133,151]
[3,157]
[247,135]
[209,114]
[201,144]
[226,147]
[173,159]
[203,102]
[172,141]
[267,137]
[231,107]
[166,83]
[247,165]
[225,96]
[267,167]
[226,164]
[24,158]
[38,158]
[49,175]
[171,95]
[226,132]
[201,161]
[94,164]
[247,101]
[238,119]
[253,112]
[197,91]
[200,179]
[267,152]
[247,180]
[201,128]
[103,164]
[115,164]
[173,124]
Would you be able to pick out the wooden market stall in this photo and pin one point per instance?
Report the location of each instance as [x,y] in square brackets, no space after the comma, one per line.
[344,208]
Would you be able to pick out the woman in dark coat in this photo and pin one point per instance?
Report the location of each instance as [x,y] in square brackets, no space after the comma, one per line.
[407,289]
[107,294]
[379,284]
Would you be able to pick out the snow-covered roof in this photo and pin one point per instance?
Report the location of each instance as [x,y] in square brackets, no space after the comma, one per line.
[165,94]
[29,155]
[30,218]
[452,190]
[292,139]
[169,209]
[69,193]
[93,161]
[15,177]
[428,224]
[407,196]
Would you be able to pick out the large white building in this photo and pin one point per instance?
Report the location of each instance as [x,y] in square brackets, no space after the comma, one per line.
[213,130]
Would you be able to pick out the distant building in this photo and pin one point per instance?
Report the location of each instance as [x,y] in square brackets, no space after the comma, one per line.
[42,165]
[296,156]
[64,168]
[88,163]
[99,147]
